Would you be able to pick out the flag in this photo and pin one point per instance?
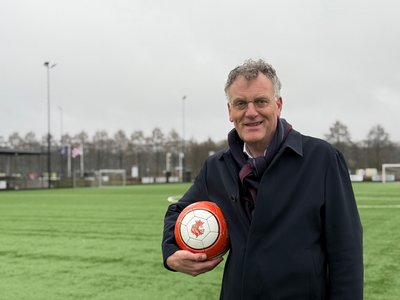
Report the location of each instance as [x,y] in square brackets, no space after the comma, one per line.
[76,151]
[64,150]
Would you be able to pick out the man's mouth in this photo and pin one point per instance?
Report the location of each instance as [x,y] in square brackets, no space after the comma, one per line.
[253,124]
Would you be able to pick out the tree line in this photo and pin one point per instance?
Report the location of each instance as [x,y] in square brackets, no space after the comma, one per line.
[149,153]
[375,150]
[153,153]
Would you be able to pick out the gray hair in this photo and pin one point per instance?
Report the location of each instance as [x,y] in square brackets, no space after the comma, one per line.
[250,70]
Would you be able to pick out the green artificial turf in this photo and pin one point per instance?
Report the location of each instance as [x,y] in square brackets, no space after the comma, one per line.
[104,243]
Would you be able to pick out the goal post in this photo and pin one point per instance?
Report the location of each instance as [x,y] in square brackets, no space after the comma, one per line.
[389,177]
[111,177]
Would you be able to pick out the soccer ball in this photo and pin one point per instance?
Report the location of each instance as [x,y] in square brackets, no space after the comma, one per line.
[201,228]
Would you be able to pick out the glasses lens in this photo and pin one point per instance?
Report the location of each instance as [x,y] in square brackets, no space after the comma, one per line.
[242,104]
[260,103]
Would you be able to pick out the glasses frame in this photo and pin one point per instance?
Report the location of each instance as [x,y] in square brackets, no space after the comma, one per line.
[241,105]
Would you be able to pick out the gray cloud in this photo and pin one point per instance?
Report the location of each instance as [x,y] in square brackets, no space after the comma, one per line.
[127,64]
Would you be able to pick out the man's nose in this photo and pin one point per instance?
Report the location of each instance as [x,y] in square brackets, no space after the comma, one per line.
[251,109]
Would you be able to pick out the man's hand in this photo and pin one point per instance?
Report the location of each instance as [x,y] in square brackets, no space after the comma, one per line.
[191,263]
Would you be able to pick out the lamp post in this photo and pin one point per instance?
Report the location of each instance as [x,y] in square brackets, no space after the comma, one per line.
[61,124]
[48,66]
[61,142]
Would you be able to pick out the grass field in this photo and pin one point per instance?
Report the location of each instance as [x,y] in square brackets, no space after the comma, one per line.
[105,244]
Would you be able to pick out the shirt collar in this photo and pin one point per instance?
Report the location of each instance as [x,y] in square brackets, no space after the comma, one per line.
[247,152]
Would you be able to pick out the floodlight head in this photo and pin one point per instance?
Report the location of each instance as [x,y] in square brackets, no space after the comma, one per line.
[47,65]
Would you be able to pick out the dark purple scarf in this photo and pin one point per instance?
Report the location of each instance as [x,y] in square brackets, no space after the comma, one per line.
[252,169]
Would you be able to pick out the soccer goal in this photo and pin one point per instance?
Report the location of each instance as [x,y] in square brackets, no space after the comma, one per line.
[390,172]
[111,177]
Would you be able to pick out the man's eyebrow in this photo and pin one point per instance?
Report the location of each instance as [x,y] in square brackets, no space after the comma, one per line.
[239,99]
[262,98]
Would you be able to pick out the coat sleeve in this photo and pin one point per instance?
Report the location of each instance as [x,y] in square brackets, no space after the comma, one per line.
[196,192]
[343,233]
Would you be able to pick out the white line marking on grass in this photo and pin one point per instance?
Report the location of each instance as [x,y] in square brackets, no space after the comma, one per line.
[379,206]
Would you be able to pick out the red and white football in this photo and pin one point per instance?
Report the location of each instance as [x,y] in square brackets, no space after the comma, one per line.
[201,228]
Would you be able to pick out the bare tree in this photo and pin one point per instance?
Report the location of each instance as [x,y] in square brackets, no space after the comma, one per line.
[339,137]
[81,138]
[173,146]
[138,142]
[15,140]
[2,142]
[120,147]
[30,141]
[199,153]
[378,146]
[101,145]
[157,142]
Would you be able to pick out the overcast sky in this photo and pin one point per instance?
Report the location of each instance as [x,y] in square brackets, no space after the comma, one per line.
[126,64]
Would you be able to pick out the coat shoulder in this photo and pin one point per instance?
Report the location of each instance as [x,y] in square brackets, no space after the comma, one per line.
[317,144]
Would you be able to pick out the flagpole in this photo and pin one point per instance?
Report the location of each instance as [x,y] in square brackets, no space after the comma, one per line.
[69,160]
[82,171]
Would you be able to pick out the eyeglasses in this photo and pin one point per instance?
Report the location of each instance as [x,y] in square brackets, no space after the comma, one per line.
[243,104]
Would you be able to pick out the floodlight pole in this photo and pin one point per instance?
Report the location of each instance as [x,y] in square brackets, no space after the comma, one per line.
[61,124]
[61,141]
[48,67]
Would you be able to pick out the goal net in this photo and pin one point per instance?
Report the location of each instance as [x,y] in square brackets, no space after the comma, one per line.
[111,177]
[390,172]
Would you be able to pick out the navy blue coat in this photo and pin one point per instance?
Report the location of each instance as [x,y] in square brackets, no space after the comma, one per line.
[305,238]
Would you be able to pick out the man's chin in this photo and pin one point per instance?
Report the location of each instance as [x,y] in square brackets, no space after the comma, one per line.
[252,137]
[255,142]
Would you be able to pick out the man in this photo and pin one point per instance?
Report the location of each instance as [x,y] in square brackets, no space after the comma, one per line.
[293,223]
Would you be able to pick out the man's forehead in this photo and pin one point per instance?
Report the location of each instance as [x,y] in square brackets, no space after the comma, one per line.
[261,82]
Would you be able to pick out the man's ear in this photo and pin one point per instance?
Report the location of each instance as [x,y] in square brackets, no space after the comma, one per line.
[279,103]
[229,112]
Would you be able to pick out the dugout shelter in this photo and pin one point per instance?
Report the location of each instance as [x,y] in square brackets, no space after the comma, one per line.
[14,172]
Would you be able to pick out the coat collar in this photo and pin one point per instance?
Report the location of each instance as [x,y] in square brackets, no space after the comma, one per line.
[293,142]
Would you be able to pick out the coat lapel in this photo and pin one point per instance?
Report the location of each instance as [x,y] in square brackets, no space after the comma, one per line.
[230,179]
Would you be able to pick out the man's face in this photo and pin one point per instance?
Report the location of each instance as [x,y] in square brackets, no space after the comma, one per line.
[255,122]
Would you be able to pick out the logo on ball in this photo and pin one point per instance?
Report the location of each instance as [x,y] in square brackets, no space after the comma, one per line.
[197,228]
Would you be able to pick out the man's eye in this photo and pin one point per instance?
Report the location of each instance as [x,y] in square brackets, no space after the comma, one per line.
[240,104]
[260,102]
